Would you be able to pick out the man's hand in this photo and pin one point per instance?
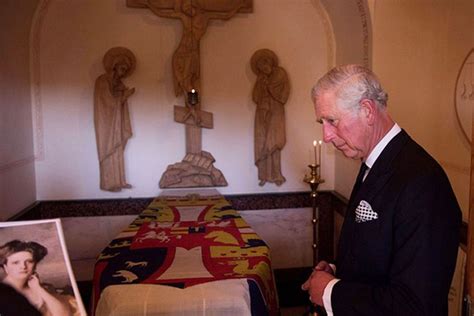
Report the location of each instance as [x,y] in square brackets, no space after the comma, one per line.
[317,282]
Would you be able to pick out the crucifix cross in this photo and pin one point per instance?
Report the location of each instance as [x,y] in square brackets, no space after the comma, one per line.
[194,16]
[196,169]
[194,119]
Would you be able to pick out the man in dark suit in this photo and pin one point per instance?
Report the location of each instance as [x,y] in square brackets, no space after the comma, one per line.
[398,244]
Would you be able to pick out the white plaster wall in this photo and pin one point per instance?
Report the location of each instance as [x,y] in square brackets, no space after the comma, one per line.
[83,249]
[71,50]
[351,25]
[289,234]
[418,49]
[17,174]
[418,55]
[17,188]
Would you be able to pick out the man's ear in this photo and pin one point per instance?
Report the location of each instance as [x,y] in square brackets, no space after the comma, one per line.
[368,109]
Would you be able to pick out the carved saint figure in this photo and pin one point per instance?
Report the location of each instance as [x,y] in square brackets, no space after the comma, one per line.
[186,58]
[111,117]
[270,93]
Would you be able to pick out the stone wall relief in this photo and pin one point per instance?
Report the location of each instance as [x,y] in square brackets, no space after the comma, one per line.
[464,95]
[270,93]
[196,169]
[112,118]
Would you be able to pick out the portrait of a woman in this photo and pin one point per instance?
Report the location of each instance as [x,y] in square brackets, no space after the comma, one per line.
[19,260]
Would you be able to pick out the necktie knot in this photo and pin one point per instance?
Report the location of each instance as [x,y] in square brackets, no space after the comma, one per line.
[360,176]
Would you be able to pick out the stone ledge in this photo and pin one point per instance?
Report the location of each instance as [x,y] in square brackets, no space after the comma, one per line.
[133,206]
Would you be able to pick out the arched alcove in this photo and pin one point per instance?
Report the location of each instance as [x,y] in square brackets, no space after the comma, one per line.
[352,30]
[352,34]
[340,36]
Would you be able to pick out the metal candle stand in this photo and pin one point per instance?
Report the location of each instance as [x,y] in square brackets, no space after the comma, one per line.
[314,179]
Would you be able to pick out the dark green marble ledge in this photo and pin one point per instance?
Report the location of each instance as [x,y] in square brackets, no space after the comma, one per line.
[133,206]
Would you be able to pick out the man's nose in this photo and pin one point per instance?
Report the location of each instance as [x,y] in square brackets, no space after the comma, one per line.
[328,133]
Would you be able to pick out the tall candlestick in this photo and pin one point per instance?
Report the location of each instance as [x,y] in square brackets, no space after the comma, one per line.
[315,144]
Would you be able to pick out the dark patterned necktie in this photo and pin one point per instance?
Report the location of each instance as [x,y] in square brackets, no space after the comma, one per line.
[359,180]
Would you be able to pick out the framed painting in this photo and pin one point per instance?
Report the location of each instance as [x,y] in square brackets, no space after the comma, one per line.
[35,270]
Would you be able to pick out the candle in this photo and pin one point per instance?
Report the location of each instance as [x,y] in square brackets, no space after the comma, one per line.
[193,97]
[320,143]
[315,144]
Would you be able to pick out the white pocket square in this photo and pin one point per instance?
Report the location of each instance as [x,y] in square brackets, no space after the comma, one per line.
[364,212]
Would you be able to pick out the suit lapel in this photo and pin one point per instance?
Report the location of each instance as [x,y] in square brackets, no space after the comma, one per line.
[382,169]
[373,185]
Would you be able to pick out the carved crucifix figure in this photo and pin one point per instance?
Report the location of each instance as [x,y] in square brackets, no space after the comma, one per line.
[194,16]
[196,169]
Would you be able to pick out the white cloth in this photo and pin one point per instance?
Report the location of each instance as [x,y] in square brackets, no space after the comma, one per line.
[219,298]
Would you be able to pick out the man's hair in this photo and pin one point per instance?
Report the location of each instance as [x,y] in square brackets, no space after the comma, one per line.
[351,84]
[38,251]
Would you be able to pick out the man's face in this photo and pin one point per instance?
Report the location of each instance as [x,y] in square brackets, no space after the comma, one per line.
[20,265]
[345,129]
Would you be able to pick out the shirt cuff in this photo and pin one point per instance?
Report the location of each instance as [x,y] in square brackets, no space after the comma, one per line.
[327,296]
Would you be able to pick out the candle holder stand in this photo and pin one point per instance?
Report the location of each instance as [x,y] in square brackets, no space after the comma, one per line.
[314,180]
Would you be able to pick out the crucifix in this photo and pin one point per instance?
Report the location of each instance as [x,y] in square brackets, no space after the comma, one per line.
[194,119]
[196,169]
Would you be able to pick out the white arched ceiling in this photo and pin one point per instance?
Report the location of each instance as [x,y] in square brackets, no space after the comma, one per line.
[352,34]
[352,29]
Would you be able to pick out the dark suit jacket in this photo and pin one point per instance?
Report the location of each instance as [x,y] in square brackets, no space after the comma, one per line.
[401,263]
